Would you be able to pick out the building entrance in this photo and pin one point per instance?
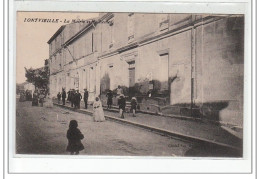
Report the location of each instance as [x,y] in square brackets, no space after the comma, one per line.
[131,73]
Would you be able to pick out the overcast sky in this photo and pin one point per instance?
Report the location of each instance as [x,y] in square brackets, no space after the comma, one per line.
[32,37]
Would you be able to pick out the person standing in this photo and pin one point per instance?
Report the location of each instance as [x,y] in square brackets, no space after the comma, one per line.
[72,98]
[119,90]
[109,99]
[35,98]
[133,105]
[122,104]
[69,98]
[78,99]
[86,98]
[27,95]
[63,96]
[74,137]
[98,115]
[41,98]
[59,97]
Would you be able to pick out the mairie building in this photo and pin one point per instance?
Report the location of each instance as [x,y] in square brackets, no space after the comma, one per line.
[179,64]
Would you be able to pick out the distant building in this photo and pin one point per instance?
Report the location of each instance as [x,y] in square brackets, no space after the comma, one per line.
[28,86]
[190,63]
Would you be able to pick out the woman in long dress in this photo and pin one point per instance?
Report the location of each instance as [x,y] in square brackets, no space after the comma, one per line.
[98,115]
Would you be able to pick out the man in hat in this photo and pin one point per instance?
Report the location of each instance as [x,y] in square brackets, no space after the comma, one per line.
[86,98]
[69,97]
[78,99]
[63,96]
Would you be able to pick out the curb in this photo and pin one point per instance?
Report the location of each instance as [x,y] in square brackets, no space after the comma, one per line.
[234,128]
[159,114]
[158,130]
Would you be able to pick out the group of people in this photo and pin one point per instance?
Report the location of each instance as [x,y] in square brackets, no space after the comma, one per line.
[98,115]
[74,97]
[74,135]
[121,101]
[122,105]
[38,98]
[25,95]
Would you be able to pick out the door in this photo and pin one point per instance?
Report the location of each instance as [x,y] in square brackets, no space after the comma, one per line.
[131,77]
[164,71]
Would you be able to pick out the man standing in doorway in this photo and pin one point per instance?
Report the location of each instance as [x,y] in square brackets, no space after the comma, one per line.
[63,96]
[86,98]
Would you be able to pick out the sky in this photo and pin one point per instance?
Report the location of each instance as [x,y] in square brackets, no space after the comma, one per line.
[32,37]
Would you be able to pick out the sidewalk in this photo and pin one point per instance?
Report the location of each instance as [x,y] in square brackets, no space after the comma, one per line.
[195,130]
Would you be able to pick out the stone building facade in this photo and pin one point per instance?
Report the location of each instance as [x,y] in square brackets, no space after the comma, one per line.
[191,64]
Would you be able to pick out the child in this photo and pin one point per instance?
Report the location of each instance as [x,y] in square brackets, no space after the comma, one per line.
[74,136]
[122,104]
[133,105]
[109,99]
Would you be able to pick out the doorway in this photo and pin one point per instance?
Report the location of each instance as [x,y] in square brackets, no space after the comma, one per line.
[164,71]
[131,70]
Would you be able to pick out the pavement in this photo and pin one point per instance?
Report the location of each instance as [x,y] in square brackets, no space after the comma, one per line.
[184,128]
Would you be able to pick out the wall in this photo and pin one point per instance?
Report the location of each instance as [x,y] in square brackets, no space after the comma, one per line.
[209,52]
[69,74]
[117,75]
[219,69]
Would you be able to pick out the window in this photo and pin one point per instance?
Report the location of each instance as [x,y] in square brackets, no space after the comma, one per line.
[130,28]
[110,81]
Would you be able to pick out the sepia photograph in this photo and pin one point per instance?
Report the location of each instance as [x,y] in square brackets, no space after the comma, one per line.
[129,84]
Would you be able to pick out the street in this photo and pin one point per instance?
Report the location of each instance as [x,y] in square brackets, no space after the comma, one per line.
[41,130]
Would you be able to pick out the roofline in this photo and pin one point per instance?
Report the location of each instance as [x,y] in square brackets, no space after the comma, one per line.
[105,16]
[78,34]
[56,34]
[87,27]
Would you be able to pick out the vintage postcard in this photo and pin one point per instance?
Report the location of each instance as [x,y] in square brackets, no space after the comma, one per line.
[129,84]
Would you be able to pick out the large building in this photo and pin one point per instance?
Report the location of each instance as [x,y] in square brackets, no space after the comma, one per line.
[191,64]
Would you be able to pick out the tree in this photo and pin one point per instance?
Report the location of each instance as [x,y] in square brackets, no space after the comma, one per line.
[38,77]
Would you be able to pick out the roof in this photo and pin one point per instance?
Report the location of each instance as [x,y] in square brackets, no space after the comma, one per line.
[56,34]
